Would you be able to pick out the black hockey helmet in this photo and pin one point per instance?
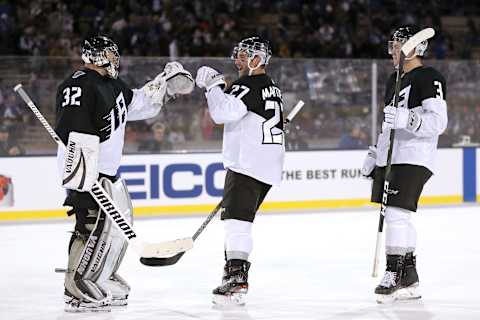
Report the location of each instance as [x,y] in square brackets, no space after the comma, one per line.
[254,46]
[102,52]
[402,34]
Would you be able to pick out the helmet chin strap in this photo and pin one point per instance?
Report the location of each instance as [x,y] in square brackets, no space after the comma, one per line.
[250,70]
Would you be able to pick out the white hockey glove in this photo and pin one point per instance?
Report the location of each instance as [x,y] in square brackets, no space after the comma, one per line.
[174,80]
[369,163]
[81,161]
[401,118]
[179,80]
[208,78]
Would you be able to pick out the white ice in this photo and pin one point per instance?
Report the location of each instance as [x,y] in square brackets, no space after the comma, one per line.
[304,266]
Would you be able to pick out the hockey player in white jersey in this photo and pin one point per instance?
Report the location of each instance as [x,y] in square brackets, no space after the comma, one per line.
[420,118]
[251,110]
[93,106]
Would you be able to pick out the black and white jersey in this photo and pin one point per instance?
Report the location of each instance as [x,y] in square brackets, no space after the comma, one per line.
[251,110]
[423,89]
[89,103]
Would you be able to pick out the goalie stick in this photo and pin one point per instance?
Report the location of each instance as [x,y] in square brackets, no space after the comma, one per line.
[407,47]
[167,261]
[106,203]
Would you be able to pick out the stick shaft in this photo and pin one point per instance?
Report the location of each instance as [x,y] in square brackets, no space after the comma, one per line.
[383,206]
[295,110]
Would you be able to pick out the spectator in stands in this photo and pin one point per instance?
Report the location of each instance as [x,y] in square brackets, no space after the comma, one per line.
[355,139]
[13,116]
[8,147]
[157,142]
[295,140]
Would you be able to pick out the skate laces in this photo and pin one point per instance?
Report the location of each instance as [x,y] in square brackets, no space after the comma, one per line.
[388,279]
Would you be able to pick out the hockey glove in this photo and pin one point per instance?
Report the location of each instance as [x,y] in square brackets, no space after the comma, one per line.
[401,118]
[369,163]
[174,80]
[179,80]
[208,78]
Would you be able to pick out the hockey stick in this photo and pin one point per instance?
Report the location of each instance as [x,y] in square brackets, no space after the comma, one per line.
[167,261]
[410,45]
[106,203]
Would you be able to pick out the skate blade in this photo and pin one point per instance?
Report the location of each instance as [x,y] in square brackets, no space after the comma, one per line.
[82,309]
[119,303]
[404,294]
[410,293]
[234,299]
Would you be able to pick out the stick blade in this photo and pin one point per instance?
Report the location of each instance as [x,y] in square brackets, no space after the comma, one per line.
[161,262]
[416,39]
[167,248]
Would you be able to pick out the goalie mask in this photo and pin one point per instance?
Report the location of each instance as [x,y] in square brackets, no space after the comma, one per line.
[102,52]
[402,34]
[253,46]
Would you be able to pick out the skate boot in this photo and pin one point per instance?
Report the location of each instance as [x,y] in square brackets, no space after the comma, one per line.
[234,284]
[76,305]
[388,289]
[119,289]
[410,280]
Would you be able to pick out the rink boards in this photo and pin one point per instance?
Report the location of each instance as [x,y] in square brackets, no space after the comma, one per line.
[182,184]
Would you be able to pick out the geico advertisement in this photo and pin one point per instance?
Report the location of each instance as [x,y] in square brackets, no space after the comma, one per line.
[155,180]
[199,178]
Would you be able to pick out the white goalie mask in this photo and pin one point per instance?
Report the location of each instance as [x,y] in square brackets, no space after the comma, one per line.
[102,52]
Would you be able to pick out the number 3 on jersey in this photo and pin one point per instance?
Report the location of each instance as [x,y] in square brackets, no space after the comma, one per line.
[269,137]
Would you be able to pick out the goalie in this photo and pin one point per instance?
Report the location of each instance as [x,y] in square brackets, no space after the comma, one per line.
[92,107]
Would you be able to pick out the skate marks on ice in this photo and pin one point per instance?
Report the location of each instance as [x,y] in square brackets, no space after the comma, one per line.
[322,279]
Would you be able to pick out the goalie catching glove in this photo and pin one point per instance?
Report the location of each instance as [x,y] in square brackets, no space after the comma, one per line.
[173,81]
[80,169]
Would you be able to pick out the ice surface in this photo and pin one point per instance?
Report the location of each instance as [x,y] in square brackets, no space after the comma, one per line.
[304,266]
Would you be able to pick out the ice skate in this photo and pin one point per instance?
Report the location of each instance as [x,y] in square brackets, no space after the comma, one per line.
[410,283]
[75,305]
[388,289]
[119,289]
[234,284]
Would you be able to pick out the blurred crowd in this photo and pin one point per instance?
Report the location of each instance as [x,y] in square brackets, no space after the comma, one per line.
[308,28]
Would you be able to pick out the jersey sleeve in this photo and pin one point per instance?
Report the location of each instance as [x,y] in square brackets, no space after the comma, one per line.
[225,107]
[75,104]
[434,106]
[141,107]
[432,85]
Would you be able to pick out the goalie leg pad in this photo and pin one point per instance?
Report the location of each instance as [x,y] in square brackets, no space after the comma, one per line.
[109,277]
[96,252]
[87,251]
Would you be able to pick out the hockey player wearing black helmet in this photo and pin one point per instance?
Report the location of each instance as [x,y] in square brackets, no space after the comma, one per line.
[92,106]
[418,121]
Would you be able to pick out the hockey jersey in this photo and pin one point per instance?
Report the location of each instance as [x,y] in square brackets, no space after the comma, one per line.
[251,110]
[87,102]
[423,89]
